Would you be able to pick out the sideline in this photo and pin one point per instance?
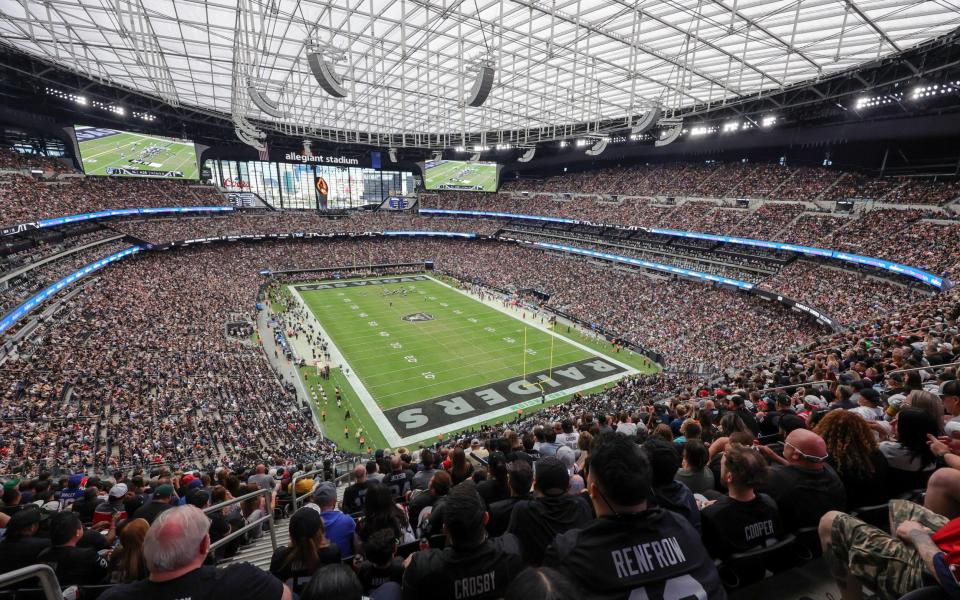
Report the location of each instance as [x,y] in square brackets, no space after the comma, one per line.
[392,436]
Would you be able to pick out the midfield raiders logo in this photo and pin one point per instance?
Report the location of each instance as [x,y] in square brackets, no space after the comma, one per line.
[459,406]
[421,316]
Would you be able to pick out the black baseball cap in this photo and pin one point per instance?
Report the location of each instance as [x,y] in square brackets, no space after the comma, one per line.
[551,477]
[25,518]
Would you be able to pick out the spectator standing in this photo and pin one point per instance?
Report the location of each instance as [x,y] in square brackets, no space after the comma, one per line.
[339,527]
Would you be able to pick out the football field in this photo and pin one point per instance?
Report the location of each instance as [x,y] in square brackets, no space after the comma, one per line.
[460,175]
[425,359]
[111,152]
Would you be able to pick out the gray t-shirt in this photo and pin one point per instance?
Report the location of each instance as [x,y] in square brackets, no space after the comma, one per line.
[262,481]
[422,479]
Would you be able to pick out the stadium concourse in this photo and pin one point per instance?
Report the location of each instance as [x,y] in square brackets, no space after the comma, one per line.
[127,409]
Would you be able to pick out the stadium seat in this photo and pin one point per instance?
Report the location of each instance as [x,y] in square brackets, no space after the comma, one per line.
[933,592]
[407,549]
[751,566]
[438,541]
[877,515]
[91,592]
[808,543]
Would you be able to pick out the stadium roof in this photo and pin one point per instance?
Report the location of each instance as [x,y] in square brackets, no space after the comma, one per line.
[407,63]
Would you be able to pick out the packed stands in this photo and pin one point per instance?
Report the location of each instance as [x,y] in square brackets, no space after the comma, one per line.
[25,199]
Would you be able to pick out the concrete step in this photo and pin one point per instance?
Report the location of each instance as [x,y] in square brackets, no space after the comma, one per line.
[259,552]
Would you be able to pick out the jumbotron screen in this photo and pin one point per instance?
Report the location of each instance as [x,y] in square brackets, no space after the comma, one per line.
[460,175]
[105,151]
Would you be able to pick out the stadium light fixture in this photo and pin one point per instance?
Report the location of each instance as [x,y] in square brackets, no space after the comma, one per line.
[504,147]
[564,143]
[731,127]
[598,147]
[81,100]
[768,121]
[460,149]
[582,142]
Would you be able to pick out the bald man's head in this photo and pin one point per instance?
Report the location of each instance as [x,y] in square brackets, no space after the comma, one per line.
[805,449]
[261,469]
[360,473]
[395,462]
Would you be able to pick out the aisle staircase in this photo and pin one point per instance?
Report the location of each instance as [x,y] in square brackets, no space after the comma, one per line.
[259,552]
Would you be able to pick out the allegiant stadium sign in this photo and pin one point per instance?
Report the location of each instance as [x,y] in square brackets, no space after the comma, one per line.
[319,158]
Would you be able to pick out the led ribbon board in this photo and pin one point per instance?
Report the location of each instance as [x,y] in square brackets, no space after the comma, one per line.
[36,300]
[900,269]
[646,264]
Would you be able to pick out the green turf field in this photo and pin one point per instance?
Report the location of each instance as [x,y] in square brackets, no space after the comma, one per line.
[453,360]
[111,152]
[461,175]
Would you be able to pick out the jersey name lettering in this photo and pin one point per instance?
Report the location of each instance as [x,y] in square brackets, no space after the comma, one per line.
[758,530]
[474,586]
[643,558]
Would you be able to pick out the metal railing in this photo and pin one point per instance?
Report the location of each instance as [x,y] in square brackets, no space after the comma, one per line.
[293,486]
[48,580]
[795,385]
[930,368]
[268,494]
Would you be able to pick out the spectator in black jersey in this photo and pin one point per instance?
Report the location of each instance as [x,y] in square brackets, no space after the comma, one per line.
[471,566]
[21,545]
[695,474]
[421,479]
[855,457]
[381,564]
[309,549]
[355,493]
[399,479]
[520,480]
[85,506]
[175,549]
[423,505]
[381,512]
[495,487]
[552,511]
[743,519]
[770,423]
[666,491]
[72,564]
[630,546]
[804,486]
[735,404]
[160,502]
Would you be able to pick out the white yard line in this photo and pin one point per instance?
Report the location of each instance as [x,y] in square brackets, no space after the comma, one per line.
[386,428]
[337,358]
[533,323]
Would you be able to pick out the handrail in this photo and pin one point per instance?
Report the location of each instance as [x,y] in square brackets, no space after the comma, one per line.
[259,522]
[48,579]
[787,387]
[293,486]
[930,368]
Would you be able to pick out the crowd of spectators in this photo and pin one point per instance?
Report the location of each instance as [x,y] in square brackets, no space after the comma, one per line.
[847,297]
[17,161]
[26,284]
[706,470]
[267,222]
[24,199]
[743,180]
